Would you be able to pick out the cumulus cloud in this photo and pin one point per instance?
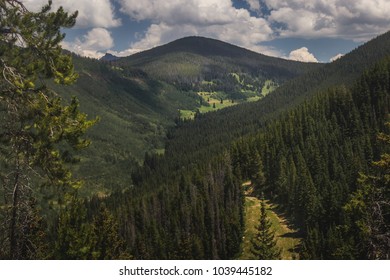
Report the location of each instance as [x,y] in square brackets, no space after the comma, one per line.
[91,13]
[254,5]
[173,19]
[338,56]
[351,19]
[303,55]
[93,44]
[196,12]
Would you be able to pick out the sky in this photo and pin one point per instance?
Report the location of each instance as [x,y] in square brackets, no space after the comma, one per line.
[303,30]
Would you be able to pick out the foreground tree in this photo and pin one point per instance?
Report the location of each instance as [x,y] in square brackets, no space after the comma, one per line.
[80,237]
[369,209]
[264,243]
[38,133]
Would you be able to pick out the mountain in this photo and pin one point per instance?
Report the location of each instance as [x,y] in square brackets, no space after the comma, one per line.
[247,118]
[139,98]
[210,48]
[197,58]
[109,57]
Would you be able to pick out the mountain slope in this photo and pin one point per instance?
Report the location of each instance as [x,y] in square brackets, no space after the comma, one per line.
[135,112]
[203,57]
[234,122]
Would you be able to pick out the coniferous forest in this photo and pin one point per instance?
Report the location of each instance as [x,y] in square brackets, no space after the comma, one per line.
[317,145]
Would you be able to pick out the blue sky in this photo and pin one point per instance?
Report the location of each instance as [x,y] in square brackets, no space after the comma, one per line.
[304,30]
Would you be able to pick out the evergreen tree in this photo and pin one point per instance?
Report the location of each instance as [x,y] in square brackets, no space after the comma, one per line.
[369,209]
[256,169]
[108,245]
[38,133]
[75,237]
[264,243]
[78,237]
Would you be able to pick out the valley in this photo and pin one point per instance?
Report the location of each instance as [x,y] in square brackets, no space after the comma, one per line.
[139,104]
[212,101]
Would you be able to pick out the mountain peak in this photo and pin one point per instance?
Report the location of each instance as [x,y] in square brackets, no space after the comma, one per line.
[109,57]
[203,46]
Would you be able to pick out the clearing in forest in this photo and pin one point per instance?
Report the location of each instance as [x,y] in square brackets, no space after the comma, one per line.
[287,238]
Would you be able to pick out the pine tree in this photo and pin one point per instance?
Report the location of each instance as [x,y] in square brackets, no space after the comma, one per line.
[74,236]
[369,209]
[264,243]
[257,172]
[108,245]
[79,237]
[38,133]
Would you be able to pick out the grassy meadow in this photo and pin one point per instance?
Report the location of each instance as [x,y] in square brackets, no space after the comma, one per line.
[287,238]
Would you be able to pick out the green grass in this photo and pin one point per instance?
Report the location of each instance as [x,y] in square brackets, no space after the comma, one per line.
[211,98]
[287,239]
[159,151]
[253,99]
[237,77]
[218,105]
[187,114]
[268,87]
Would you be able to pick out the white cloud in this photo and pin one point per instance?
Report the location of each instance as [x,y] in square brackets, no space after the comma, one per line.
[196,12]
[303,55]
[336,57]
[350,19]
[93,44]
[301,22]
[173,19]
[98,39]
[92,13]
[254,5]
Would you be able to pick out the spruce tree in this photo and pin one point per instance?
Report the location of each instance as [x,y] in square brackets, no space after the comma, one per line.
[257,172]
[264,243]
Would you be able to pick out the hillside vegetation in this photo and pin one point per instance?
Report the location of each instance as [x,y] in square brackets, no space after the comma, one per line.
[140,98]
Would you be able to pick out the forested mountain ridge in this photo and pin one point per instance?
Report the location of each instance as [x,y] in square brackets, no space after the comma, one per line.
[189,61]
[217,53]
